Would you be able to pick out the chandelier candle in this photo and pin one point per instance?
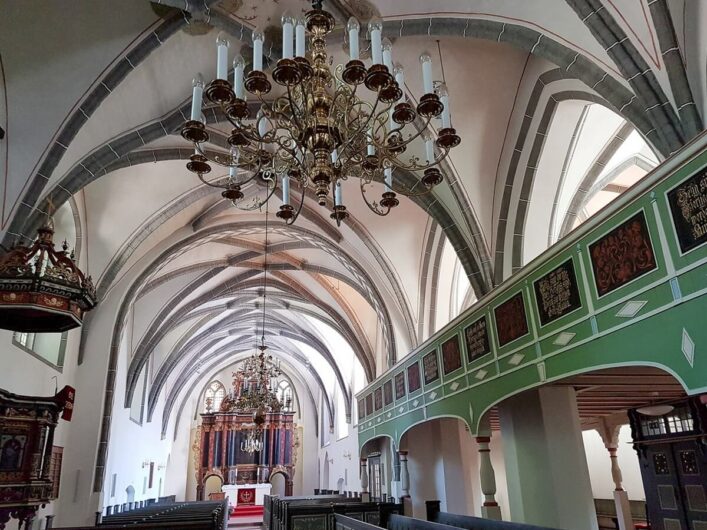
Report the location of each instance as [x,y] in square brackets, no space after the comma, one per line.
[399,72]
[370,148]
[222,45]
[337,194]
[318,129]
[238,69]
[426,62]
[287,29]
[299,38]
[286,189]
[375,27]
[429,149]
[388,53]
[444,98]
[196,98]
[258,50]
[353,26]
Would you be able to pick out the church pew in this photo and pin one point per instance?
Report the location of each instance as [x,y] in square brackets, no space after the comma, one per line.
[206,515]
[320,515]
[273,506]
[472,523]
[343,522]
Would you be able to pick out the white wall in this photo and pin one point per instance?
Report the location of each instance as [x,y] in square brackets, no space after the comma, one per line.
[132,445]
[600,466]
[341,449]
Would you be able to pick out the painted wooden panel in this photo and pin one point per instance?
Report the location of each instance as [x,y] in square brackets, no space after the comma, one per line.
[637,295]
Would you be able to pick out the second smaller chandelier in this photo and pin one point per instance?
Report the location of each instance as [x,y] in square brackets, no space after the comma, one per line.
[322,128]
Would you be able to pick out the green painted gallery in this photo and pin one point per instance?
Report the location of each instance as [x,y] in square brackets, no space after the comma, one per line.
[353,264]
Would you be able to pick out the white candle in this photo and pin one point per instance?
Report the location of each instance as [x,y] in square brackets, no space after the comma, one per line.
[353,26]
[258,50]
[375,27]
[299,38]
[334,156]
[400,76]
[388,179]
[238,68]
[388,54]
[337,193]
[285,189]
[262,125]
[287,29]
[429,149]
[444,98]
[222,45]
[197,95]
[371,149]
[426,61]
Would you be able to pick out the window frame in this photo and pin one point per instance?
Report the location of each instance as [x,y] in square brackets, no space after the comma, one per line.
[59,367]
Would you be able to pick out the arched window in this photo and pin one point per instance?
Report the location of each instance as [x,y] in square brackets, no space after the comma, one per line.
[214,396]
[284,394]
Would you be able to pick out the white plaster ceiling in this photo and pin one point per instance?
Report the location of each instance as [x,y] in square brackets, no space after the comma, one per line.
[61,56]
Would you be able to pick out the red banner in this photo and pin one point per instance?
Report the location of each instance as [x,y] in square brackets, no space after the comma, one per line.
[66,398]
[246,496]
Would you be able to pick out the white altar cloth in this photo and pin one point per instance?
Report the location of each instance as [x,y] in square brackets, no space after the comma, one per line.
[231,491]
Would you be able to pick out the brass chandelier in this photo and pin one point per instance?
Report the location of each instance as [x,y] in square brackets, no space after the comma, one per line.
[324,128]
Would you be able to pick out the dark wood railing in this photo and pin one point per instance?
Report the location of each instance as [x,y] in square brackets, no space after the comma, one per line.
[205,515]
[281,513]
[437,517]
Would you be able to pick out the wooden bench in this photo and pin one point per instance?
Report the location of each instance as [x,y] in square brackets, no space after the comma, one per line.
[273,506]
[206,515]
[472,523]
[318,512]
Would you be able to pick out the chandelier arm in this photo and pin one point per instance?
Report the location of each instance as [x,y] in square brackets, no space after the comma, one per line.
[356,132]
[409,192]
[407,141]
[374,207]
[223,163]
[284,117]
[362,130]
[259,204]
[342,89]
[201,178]
[216,159]
[249,179]
[444,153]
[237,123]
[250,133]
[295,108]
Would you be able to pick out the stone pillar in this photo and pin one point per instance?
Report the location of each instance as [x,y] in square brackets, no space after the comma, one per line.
[546,466]
[404,474]
[609,431]
[490,508]
[395,488]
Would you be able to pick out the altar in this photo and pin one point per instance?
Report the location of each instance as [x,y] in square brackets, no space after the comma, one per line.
[246,494]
